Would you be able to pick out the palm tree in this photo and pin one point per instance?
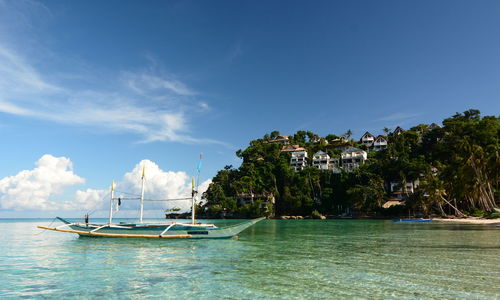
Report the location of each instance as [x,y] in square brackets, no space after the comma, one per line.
[348,133]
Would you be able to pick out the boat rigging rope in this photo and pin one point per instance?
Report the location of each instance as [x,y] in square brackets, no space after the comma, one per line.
[132,194]
[98,208]
[47,226]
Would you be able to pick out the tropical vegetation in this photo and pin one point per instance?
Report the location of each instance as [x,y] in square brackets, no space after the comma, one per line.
[457,165]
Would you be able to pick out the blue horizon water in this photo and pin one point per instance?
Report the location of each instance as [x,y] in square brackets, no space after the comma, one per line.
[275,259]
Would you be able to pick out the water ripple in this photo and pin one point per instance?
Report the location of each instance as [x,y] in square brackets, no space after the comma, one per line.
[276,259]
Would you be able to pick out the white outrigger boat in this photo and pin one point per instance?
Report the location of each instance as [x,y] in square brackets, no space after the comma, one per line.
[141,229]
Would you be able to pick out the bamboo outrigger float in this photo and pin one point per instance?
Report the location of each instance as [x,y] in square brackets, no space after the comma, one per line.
[192,230]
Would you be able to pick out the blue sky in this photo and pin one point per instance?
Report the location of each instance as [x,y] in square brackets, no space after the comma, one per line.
[102,86]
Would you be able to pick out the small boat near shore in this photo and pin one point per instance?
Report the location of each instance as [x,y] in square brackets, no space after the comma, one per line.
[412,220]
[188,230]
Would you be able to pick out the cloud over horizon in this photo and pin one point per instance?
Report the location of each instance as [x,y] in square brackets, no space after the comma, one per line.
[35,189]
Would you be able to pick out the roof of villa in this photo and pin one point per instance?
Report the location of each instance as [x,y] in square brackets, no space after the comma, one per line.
[288,148]
[398,129]
[352,149]
[367,134]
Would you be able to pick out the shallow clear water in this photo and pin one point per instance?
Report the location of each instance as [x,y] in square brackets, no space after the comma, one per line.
[282,259]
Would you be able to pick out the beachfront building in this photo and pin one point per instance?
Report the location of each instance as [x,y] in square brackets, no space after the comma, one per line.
[250,198]
[352,158]
[380,143]
[398,190]
[396,187]
[321,160]
[299,159]
[367,139]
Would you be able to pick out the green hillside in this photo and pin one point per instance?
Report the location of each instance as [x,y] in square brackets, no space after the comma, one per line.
[457,166]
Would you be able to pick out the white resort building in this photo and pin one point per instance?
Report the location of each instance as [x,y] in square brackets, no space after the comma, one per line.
[321,160]
[396,187]
[373,143]
[299,159]
[352,158]
[334,165]
[379,143]
[367,139]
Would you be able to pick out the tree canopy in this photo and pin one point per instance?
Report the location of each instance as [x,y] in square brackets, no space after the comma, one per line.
[457,167]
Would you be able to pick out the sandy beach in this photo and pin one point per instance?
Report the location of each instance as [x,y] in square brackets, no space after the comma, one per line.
[470,220]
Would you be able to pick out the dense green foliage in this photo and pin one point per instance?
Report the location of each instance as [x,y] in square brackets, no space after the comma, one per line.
[457,165]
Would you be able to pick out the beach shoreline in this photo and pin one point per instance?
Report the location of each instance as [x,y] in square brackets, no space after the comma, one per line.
[469,220]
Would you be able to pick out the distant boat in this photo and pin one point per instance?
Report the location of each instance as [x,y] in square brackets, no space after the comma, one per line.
[412,220]
[141,229]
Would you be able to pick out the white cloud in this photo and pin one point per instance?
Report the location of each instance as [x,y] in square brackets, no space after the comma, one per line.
[18,76]
[35,189]
[235,51]
[32,189]
[203,106]
[88,200]
[399,116]
[25,92]
[149,102]
[159,184]
[147,84]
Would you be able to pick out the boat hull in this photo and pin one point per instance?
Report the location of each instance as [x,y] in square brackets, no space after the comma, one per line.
[154,230]
[412,220]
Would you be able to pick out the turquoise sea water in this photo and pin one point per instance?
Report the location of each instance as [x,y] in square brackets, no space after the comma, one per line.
[275,259]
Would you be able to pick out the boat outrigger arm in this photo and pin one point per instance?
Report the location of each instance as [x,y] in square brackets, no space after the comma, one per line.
[152,230]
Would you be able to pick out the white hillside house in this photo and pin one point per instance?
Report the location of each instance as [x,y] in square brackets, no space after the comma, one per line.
[352,158]
[398,190]
[334,165]
[299,159]
[409,187]
[367,139]
[380,143]
[321,160]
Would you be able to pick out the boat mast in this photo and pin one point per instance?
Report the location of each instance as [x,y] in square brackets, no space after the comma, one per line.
[193,202]
[142,196]
[111,202]
[193,195]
